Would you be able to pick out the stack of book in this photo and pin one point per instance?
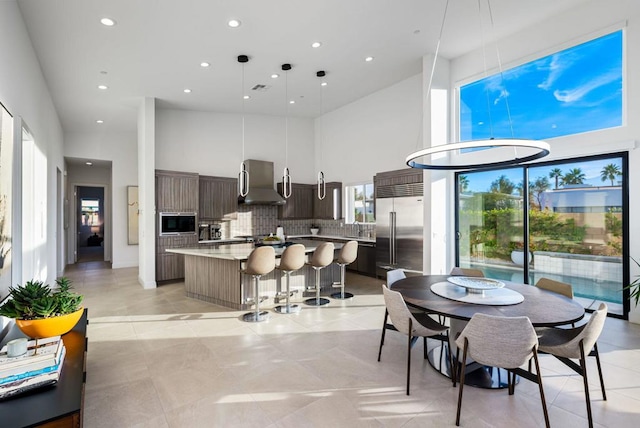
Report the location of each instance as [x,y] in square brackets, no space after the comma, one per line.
[40,366]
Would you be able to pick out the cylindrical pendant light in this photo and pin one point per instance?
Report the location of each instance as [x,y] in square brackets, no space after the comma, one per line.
[243,176]
[322,184]
[286,177]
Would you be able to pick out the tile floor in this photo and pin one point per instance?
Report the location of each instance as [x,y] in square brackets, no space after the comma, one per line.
[159,359]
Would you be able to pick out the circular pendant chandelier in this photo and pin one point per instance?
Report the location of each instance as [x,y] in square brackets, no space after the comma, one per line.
[477,154]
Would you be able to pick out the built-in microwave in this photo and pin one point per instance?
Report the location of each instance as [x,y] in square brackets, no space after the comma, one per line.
[178,224]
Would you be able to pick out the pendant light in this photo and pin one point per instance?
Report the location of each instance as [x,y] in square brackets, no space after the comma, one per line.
[243,176]
[505,147]
[322,184]
[286,177]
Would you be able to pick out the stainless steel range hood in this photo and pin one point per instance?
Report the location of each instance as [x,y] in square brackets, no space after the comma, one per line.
[261,191]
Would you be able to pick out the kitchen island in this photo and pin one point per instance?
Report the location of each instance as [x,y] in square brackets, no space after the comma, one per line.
[214,274]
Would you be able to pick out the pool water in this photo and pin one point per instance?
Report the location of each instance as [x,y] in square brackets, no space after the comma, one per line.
[589,288]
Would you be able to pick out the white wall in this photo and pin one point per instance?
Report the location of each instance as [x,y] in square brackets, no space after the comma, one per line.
[558,32]
[121,149]
[372,134]
[211,143]
[24,92]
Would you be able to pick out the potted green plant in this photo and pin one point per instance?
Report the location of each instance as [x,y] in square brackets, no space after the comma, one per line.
[634,287]
[40,311]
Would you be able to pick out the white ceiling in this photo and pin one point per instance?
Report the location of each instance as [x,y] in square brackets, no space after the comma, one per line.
[156,48]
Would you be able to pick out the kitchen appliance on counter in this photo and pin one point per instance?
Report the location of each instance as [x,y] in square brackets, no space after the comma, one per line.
[399,227]
[215,231]
[171,224]
[203,232]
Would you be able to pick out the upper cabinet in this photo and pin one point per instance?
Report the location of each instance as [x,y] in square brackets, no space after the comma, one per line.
[176,191]
[329,208]
[300,204]
[218,197]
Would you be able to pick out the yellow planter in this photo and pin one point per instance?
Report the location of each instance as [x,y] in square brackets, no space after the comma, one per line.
[47,327]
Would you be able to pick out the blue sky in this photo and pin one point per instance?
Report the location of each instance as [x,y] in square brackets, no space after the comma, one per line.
[572,91]
[481,181]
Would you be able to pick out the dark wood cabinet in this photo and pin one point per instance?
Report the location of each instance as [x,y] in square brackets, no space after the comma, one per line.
[300,204]
[176,191]
[329,208]
[170,266]
[218,197]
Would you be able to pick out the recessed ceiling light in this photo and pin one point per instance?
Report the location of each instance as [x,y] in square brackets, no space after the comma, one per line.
[246,97]
[103,87]
[234,23]
[108,22]
[369,59]
[187,91]
[323,84]
[292,102]
[204,64]
[99,121]
[88,163]
[316,44]
[275,76]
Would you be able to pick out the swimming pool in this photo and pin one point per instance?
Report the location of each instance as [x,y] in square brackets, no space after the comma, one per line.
[589,288]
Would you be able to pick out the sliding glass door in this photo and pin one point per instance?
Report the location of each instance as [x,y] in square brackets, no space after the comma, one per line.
[571,227]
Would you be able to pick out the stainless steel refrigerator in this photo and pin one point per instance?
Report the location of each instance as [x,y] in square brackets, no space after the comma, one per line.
[399,233]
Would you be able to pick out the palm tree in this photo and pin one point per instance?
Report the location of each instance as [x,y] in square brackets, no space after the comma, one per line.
[537,188]
[503,185]
[557,174]
[610,172]
[574,176]
[463,183]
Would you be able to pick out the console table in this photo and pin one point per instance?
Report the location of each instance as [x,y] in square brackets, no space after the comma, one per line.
[58,406]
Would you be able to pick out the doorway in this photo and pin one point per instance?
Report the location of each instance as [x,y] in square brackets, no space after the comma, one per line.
[90,223]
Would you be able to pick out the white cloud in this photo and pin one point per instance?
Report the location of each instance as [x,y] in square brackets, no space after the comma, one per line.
[557,66]
[572,95]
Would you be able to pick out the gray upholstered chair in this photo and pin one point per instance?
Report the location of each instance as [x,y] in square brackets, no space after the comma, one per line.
[458,271]
[555,286]
[577,343]
[292,259]
[348,254]
[506,342]
[411,324]
[321,258]
[392,276]
[261,261]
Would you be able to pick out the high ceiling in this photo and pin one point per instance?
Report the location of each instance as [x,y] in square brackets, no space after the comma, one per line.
[156,47]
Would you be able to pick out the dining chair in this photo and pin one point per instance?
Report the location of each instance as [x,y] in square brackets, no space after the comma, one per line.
[555,286]
[506,342]
[577,343]
[410,324]
[458,271]
[392,276]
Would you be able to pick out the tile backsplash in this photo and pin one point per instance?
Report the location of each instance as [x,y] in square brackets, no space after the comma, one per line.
[256,220]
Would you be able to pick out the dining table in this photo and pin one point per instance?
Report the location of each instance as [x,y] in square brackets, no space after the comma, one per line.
[439,295]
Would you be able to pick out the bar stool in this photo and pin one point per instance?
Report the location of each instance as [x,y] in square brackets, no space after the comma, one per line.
[292,259]
[348,255]
[321,258]
[261,261]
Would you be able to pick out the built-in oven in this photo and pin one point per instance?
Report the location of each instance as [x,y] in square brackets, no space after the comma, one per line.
[178,224]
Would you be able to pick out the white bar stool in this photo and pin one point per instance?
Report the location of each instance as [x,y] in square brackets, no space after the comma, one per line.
[261,261]
[292,259]
[348,254]
[321,258]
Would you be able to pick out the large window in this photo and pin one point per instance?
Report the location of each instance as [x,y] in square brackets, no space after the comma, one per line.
[575,90]
[570,228]
[359,201]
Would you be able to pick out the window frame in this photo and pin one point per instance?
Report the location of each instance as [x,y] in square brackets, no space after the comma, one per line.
[350,203]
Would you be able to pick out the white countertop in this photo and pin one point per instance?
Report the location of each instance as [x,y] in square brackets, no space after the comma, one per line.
[222,241]
[240,251]
[342,238]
